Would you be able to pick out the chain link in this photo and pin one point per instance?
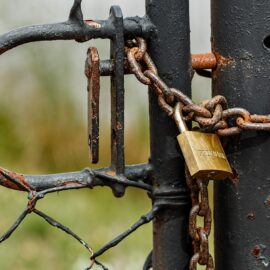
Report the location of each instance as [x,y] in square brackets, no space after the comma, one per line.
[212,115]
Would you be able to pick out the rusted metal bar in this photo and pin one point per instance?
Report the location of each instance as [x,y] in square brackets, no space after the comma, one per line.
[204,61]
[93,74]
[139,173]
[240,30]
[199,61]
[170,50]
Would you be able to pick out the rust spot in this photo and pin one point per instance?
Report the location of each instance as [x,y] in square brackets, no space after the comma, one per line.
[235,177]
[5,181]
[9,184]
[256,251]
[2,50]
[92,24]
[119,126]
[251,216]
[93,74]
[111,173]
[267,201]
[221,62]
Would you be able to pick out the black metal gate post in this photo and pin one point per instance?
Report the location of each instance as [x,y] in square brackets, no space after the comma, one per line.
[242,209]
[170,50]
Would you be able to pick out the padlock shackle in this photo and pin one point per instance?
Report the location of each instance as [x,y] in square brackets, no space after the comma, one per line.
[178,117]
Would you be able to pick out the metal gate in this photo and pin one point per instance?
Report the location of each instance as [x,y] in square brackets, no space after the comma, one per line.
[239,68]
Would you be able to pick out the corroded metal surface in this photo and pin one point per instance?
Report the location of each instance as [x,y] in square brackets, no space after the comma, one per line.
[242,238]
[93,74]
[204,61]
[75,28]
[240,71]
[14,180]
[117,96]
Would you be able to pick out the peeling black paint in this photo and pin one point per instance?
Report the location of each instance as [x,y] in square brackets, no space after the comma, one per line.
[239,28]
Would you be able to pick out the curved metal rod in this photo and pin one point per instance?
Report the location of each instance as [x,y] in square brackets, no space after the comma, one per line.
[59,31]
[75,28]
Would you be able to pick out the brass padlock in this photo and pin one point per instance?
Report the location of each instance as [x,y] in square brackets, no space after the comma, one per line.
[203,152]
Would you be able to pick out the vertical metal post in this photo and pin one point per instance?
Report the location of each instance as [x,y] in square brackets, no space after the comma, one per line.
[170,50]
[242,209]
[117,98]
[117,92]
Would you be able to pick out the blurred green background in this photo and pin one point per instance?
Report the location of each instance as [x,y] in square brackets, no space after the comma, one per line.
[43,130]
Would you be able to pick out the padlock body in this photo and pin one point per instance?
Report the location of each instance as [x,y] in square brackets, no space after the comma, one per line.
[204,155]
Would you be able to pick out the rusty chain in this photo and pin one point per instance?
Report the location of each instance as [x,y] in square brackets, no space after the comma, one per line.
[199,235]
[212,115]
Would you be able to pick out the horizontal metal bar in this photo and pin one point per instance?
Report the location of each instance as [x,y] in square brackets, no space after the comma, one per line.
[135,175]
[204,61]
[72,31]
[75,28]
[199,62]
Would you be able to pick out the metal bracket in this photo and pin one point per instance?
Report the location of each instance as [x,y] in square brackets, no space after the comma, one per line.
[92,71]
